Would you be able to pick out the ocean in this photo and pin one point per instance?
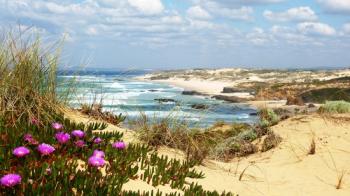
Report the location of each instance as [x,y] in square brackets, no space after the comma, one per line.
[120,93]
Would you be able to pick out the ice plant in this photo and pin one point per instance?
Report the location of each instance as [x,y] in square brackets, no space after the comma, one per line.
[57,126]
[79,143]
[10,180]
[119,145]
[29,138]
[97,140]
[45,149]
[78,133]
[96,161]
[34,121]
[62,137]
[98,153]
[21,151]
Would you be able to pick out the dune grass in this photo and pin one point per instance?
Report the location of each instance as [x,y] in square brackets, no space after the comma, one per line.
[28,78]
[221,141]
[338,107]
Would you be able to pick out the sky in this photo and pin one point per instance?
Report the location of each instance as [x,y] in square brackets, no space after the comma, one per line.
[171,34]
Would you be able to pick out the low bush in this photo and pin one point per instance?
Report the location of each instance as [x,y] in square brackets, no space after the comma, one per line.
[268,117]
[271,141]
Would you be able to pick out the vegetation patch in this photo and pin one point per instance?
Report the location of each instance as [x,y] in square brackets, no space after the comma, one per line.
[221,141]
[326,94]
[335,107]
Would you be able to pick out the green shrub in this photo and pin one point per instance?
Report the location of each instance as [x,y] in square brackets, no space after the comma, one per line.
[268,117]
[336,107]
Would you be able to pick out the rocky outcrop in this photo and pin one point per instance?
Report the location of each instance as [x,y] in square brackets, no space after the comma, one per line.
[232,99]
[291,100]
[192,93]
[233,90]
[165,100]
[199,106]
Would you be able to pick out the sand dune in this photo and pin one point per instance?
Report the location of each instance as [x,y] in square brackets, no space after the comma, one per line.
[285,170]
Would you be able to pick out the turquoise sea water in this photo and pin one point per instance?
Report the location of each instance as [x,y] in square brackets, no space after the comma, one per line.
[120,93]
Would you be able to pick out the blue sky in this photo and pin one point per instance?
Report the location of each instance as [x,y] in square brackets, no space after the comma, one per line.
[169,34]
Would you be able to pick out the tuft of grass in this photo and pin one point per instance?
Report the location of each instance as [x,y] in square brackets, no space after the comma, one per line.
[312,149]
[28,79]
[268,117]
[338,107]
[272,140]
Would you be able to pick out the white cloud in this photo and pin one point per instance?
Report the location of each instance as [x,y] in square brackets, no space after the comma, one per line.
[316,28]
[148,6]
[336,6]
[259,37]
[292,14]
[239,13]
[246,2]
[346,28]
[198,12]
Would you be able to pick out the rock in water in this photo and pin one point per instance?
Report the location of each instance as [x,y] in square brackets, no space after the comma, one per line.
[200,106]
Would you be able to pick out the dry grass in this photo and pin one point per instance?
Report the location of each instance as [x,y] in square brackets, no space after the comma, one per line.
[312,149]
[28,79]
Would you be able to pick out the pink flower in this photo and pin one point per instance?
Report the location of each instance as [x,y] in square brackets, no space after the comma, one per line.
[57,126]
[96,161]
[29,138]
[119,145]
[97,140]
[98,153]
[21,151]
[10,180]
[79,143]
[62,137]
[78,133]
[34,121]
[45,149]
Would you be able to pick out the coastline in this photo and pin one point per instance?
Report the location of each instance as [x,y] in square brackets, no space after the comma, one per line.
[214,88]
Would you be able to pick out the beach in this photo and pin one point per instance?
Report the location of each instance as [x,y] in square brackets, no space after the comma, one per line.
[285,170]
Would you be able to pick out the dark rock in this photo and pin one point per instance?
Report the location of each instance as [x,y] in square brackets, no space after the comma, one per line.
[232,99]
[253,114]
[192,93]
[295,101]
[311,105]
[200,106]
[233,90]
[164,100]
[153,90]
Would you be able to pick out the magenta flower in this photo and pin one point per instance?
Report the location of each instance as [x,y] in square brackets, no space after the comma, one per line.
[34,121]
[97,140]
[62,137]
[119,145]
[21,151]
[57,126]
[98,153]
[29,138]
[78,133]
[10,180]
[45,149]
[79,143]
[96,161]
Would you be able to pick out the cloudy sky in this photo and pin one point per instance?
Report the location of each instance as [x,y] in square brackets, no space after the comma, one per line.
[191,33]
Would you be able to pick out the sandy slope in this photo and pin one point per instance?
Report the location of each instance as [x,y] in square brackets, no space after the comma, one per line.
[286,170]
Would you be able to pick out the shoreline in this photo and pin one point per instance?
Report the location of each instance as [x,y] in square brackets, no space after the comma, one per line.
[215,88]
